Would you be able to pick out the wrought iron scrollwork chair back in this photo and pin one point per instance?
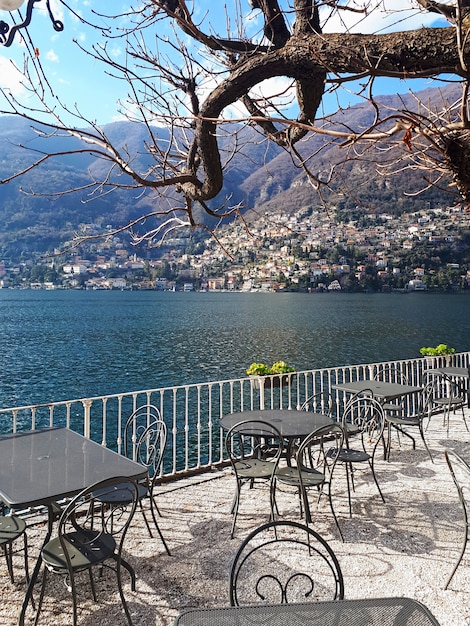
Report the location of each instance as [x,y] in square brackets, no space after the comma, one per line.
[315,462]
[364,414]
[391,374]
[145,436]
[254,448]
[284,562]
[460,472]
[87,538]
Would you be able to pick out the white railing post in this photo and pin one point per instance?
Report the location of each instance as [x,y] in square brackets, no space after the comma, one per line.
[87,417]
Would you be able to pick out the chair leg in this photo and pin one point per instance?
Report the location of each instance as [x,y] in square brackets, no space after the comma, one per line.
[152,511]
[41,595]
[421,432]
[26,563]
[389,442]
[371,465]
[130,569]
[92,585]
[330,498]
[348,470]
[462,552]
[121,591]
[235,505]
[8,552]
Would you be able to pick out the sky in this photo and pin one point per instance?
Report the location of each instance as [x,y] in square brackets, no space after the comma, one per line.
[79,80]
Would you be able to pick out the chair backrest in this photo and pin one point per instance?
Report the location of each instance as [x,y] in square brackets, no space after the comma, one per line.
[321,402]
[447,388]
[254,439]
[460,472]
[86,523]
[319,451]
[425,400]
[151,447]
[390,374]
[364,415]
[284,562]
[145,436]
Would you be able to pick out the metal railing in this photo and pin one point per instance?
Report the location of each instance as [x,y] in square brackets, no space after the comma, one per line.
[192,412]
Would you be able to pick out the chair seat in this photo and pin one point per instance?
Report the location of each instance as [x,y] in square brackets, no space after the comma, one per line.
[254,468]
[403,420]
[455,402]
[390,406]
[347,455]
[290,476]
[119,494]
[11,527]
[84,548]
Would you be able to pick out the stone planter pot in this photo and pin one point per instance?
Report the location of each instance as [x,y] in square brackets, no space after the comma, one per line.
[275,380]
[431,362]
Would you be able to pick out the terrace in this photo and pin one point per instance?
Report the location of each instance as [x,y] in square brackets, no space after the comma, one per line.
[405,547]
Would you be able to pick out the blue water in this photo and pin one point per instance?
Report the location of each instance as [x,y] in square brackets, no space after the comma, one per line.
[58,345]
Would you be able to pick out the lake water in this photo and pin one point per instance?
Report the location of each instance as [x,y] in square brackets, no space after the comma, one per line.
[61,345]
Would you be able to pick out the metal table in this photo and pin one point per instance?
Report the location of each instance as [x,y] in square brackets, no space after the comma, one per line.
[290,423]
[370,612]
[39,467]
[458,372]
[382,390]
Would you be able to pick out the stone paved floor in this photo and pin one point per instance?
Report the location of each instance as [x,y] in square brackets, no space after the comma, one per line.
[405,547]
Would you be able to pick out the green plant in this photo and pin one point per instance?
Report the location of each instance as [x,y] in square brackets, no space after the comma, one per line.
[439,350]
[258,369]
[261,369]
[281,367]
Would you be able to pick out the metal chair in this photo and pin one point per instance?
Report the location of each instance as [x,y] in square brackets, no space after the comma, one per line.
[284,562]
[12,528]
[391,374]
[365,414]
[402,422]
[449,396]
[254,448]
[145,437]
[86,539]
[314,466]
[460,472]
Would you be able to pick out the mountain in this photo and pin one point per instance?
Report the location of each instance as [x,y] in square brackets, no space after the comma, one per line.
[36,217]
[356,183]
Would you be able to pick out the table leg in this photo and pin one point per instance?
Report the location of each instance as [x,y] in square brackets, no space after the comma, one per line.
[51,516]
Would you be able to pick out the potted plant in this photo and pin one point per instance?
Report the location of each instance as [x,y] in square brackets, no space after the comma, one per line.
[275,373]
[441,350]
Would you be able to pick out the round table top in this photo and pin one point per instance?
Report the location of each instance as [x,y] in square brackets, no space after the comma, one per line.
[289,422]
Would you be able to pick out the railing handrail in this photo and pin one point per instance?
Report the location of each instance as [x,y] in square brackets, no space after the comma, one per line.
[192,412]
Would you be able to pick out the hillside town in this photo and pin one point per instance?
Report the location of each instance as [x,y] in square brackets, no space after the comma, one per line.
[301,251]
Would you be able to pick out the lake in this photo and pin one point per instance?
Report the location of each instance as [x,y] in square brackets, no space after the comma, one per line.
[61,345]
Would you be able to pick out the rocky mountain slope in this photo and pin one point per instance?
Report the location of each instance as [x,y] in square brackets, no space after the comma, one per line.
[36,217]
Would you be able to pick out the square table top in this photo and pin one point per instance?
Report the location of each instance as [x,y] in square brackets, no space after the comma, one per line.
[44,465]
[289,422]
[367,612]
[451,371]
[381,389]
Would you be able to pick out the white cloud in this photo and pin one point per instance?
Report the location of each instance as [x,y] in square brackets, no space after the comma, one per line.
[52,56]
[383,16]
[11,78]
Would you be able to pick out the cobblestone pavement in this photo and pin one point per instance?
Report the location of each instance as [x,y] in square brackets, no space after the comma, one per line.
[405,547]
